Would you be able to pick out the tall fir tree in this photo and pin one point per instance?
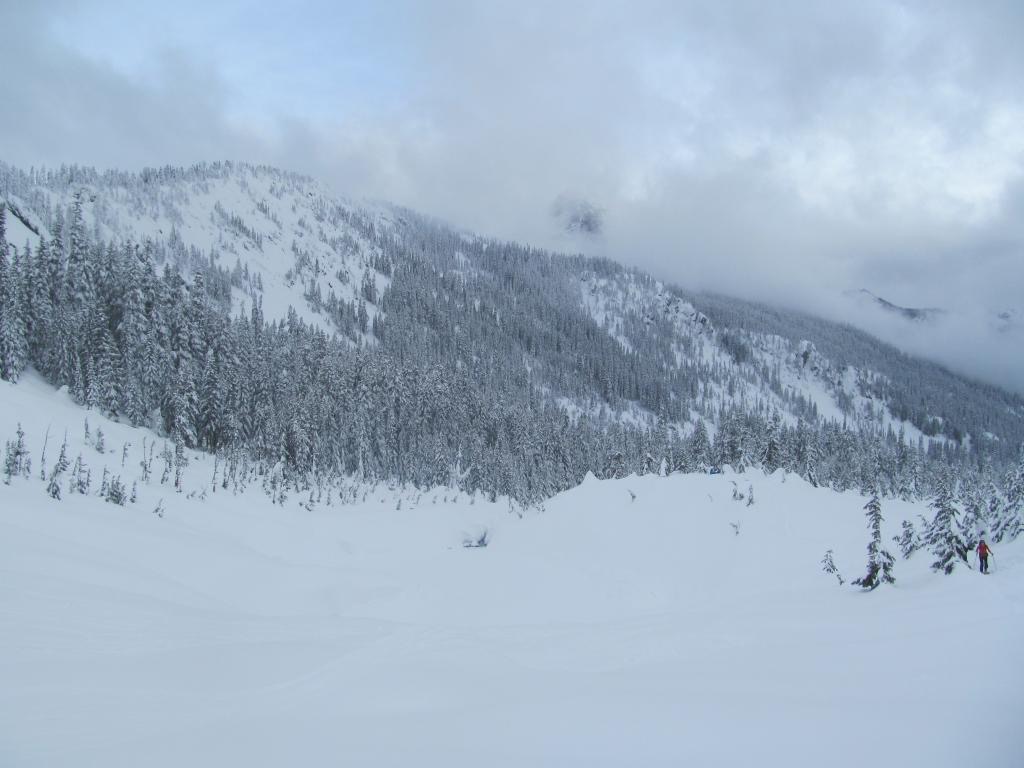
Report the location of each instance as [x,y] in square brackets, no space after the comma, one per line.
[699,447]
[943,537]
[13,337]
[880,562]
[974,522]
[78,287]
[1010,520]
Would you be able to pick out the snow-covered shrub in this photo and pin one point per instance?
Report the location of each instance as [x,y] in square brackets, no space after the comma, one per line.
[116,491]
[16,459]
[828,566]
[53,486]
[908,541]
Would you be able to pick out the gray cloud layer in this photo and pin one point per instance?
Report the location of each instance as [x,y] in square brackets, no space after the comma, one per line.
[781,151]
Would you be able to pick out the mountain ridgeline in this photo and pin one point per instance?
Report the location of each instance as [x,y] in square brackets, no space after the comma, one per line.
[245,311]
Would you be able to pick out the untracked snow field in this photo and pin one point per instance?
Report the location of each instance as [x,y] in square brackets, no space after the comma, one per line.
[602,630]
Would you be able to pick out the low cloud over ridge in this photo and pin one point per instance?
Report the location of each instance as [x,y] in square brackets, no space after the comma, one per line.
[783,152]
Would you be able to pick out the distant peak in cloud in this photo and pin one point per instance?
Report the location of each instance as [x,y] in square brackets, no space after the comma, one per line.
[577,216]
[974,340]
[920,314]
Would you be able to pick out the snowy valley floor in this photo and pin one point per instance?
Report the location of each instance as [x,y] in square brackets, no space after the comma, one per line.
[601,631]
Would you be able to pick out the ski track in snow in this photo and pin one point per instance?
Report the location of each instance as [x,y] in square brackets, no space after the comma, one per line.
[598,631]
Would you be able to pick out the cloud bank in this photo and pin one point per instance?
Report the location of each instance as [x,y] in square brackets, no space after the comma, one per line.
[776,151]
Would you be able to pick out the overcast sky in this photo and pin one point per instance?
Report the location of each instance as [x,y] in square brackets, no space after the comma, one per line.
[784,151]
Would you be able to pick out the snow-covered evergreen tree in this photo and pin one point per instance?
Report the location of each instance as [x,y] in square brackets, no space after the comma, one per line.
[829,567]
[16,459]
[1010,521]
[53,486]
[973,523]
[880,562]
[908,541]
[13,332]
[942,536]
[698,448]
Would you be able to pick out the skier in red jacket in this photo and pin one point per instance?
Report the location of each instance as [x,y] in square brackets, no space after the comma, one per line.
[983,551]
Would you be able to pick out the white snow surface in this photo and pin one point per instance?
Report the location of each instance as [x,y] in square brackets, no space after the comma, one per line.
[224,214]
[597,631]
[17,234]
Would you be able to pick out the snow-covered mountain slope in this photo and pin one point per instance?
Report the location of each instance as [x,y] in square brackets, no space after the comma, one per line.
[647,620]
[632,308]
[765,364]
[545,336]
[287,233]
